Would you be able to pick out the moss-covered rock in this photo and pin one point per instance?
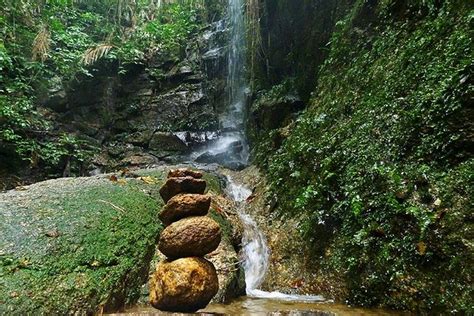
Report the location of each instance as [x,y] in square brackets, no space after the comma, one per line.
[76,245]
[83,245]
[378,170]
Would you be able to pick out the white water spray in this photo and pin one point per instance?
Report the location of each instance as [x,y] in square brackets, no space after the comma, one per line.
[256,254]
[255,249]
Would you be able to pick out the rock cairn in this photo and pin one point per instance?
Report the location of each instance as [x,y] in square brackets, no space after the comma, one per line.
[185,281]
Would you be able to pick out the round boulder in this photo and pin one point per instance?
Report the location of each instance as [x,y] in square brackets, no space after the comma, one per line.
[174,186]
[185,205]
[190,237]
[183,285]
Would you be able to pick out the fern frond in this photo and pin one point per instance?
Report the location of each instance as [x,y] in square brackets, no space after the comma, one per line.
[41,45]
[93,54]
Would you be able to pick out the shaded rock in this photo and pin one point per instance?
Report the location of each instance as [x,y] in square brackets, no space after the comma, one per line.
[228,160]
[183,285]
[273,114]
[167,142]
[56,98]
[174,186]
[138,159]
[185,205]
[117,150]
[190,237]
[185,107]
[141,138]
[181,72]
[180,173]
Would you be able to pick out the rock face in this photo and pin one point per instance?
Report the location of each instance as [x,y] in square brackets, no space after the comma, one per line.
[190,237]
[185,205]
[183,285]
[168,142]
[174,186]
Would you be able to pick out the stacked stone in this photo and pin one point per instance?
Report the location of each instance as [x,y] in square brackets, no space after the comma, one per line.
[185,281]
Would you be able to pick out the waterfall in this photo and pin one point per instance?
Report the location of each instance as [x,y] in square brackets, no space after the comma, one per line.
[230,148]
[255,251]
[254,244]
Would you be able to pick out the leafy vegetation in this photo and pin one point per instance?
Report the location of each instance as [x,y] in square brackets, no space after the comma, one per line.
[381,163]
[47,46]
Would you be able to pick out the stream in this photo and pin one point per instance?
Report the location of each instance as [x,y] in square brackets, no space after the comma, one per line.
[229,149]
[255,261]
[255,251]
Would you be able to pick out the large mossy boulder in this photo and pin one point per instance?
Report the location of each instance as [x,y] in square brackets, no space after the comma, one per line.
[77,245]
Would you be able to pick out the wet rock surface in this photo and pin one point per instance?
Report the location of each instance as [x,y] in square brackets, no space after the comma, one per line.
[183,285]
[288,273]
[185,205]
[166,142]
[190,237]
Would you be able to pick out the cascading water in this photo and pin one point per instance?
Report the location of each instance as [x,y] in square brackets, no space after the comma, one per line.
[230,148]
[255,250]
[256,253]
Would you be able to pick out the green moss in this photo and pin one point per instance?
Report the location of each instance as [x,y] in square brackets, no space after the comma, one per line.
[380,164]
[225,225]
[106,235]
[213,183]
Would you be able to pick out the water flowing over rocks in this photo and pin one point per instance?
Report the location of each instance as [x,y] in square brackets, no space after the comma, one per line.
[276,259]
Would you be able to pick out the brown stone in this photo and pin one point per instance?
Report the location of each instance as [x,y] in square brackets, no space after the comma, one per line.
[190,237]
[183,285]
[174,186]
[185,205]
[180,173]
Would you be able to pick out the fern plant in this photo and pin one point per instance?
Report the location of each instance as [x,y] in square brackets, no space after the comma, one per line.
[93,54]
